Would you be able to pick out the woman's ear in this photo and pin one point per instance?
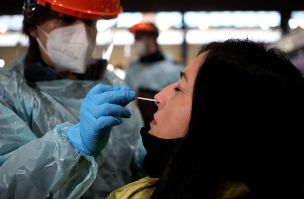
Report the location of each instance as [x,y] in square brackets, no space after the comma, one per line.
[33,32]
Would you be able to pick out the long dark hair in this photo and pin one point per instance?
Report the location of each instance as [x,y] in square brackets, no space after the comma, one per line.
[40,15]
[246,125]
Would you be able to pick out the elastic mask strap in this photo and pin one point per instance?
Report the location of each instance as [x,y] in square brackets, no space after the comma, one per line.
[39,42]
[42,31]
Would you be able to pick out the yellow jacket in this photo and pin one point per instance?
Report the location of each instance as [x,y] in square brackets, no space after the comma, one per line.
[127,190]
[226,190]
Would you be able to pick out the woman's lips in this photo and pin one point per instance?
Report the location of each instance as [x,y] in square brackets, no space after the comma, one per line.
[153,122]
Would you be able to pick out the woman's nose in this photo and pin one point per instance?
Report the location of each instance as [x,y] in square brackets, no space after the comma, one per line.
[162,97]
[158,98]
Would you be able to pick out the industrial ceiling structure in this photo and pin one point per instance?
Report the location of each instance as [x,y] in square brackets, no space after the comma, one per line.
[13,6]
[284,7]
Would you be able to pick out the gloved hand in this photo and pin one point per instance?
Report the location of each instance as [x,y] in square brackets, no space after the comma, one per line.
[100,110]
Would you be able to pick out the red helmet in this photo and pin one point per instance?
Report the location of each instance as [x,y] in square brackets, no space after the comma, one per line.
[86,9]
[142,27]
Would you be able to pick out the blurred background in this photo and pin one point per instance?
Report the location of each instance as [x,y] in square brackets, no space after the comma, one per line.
[184,26]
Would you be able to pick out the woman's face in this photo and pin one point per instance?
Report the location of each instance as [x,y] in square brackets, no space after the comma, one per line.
[52,24]
[175,103]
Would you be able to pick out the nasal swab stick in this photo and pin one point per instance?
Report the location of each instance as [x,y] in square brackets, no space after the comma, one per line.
[142,98]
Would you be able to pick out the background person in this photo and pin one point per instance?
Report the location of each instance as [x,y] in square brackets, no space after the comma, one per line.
[231,127]
[153,71]
[40,98]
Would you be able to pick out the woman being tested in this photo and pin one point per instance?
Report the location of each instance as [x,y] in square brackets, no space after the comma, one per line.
[231,127]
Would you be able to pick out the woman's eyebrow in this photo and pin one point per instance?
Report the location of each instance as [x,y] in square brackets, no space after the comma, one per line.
[183,75]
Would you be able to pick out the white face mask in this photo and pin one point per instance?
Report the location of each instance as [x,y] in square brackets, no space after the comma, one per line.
[70,47]
[139,48]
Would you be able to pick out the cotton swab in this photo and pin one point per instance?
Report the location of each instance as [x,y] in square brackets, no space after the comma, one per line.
[142,98]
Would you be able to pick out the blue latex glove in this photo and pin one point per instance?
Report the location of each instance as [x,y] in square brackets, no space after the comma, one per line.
[100,110]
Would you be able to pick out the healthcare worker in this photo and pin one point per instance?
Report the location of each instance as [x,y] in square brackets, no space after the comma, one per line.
[153,71]
[49,148]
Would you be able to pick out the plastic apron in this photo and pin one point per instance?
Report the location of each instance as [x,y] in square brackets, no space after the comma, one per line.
[36,158]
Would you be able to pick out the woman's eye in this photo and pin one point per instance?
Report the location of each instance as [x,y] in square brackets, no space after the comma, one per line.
[176,88]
